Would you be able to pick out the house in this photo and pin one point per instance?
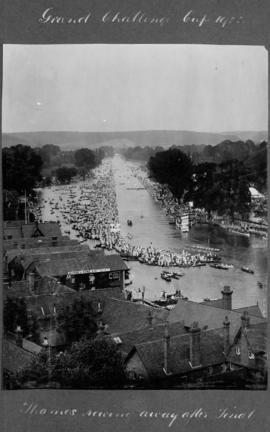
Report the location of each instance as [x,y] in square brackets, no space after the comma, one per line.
[93,270]
[200,342]
[249,346]
[18,260]
[18,229]
[187,356]
[208,316]
[226,303]
[17,353]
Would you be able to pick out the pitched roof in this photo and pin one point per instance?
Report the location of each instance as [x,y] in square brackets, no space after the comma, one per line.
[47,229]
[252,310]
[47,286]
[36,242]
[256,337]
[63,298]
[152,353]
[14,357]
[123,315]
[147,334]
[45,251]
[209,316]
[218,303]
[61,267]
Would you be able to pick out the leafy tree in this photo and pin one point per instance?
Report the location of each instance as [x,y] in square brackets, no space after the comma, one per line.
[77,320]
[203,190]
[90,363]
[172,167]
[15,313]
[85,158]
[21,168]
[222,187]
[48,153]
[64,174]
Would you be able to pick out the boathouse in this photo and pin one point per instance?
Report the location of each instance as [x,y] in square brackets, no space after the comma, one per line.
[94,270]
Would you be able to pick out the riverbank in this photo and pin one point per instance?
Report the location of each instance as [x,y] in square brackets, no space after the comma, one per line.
[151,229]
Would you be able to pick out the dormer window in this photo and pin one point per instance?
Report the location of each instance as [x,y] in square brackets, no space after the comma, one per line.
[237,350]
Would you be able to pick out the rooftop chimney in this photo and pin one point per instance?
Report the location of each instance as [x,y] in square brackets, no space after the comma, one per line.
[150,319]
[227,297]
[245,320]
[19,336]
[166,350]
[226,335]
[195,345]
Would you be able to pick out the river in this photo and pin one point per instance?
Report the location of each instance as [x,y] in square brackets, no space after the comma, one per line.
[151,225]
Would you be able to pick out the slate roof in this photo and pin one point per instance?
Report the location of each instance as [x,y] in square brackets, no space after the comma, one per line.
[209,316]
[66,298]
[14,357]
[45,251]
[152,353]
[256,337]
[61,267]
[36,242]
[147,334]
[21,289]
[47,229]
[122,315]
[252,310]
[218,303]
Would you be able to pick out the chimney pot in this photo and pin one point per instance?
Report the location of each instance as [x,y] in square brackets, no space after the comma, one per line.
[166,350]
[19,336]
[227,297]
[226,335]
[245,319]
[195,344]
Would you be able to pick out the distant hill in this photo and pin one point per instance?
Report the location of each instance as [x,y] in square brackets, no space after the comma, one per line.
[75,140]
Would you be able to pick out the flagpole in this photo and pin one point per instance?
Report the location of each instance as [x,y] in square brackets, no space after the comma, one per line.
[25,214]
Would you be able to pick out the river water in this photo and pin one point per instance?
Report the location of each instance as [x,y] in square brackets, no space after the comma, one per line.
[151,225]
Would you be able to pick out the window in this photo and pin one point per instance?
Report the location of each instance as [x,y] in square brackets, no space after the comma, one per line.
[251,356]
[117,340]
[237,350]
[114,275]
[42,310]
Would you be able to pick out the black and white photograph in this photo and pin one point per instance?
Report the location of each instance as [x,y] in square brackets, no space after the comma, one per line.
[135,228]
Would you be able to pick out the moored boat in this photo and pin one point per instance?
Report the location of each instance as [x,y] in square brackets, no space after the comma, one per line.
[247,270]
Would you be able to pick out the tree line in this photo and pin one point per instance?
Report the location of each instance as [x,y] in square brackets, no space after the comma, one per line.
[25,168]
[220,187]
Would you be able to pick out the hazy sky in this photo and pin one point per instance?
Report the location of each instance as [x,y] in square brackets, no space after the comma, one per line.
[134,87]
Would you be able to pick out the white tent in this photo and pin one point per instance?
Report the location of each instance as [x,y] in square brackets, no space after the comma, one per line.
[254,193]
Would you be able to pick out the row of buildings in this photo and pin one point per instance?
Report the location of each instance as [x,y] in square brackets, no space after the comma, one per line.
[208,344]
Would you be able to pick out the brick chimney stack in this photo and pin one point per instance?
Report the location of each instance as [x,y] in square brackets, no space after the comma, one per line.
[166,350]
[19,336]
[226,335]
[245,320]
[150,319]
[195,345]
[227,297]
